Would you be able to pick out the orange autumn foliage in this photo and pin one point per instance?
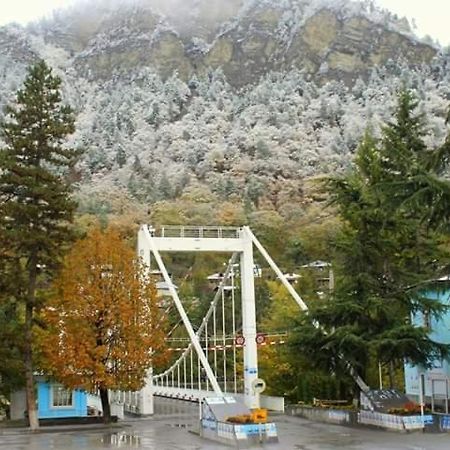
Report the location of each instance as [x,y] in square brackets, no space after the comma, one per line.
[103,326]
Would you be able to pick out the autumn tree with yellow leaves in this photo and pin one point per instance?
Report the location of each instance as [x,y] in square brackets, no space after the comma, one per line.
[103,329]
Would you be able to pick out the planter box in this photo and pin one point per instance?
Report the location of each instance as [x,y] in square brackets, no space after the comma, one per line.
[376,419]
[393,422]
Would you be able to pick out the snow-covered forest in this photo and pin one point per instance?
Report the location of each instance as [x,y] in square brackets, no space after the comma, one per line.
[152,137]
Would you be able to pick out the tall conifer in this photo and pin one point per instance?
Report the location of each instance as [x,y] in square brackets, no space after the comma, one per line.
[36,208]
[387,253]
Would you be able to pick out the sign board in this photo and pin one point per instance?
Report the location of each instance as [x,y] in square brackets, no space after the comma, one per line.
[260,338]
[259,385]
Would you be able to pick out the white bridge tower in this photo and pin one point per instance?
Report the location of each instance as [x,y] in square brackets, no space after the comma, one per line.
[238,241]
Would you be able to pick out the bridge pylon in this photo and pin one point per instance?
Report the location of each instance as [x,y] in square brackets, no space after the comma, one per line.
[152,242]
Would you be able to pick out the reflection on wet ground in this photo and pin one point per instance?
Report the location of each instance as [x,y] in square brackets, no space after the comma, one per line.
[175,424]
[168,429]
[121,439]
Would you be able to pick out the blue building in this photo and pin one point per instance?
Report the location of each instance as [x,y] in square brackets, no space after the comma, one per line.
[435,382]
[54,401]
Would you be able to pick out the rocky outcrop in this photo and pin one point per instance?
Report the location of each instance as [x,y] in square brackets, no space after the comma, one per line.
[245,38]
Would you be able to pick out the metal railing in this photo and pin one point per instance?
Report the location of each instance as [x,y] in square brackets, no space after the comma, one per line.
[180,231]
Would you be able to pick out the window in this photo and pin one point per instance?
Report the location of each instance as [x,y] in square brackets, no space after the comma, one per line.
[61,397]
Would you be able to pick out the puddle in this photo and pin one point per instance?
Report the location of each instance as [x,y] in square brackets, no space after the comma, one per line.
[121,439]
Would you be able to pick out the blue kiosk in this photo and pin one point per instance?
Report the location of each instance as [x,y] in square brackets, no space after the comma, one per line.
[432,385]
[55,401]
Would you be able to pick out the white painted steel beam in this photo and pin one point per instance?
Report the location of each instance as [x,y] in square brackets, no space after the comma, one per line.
[146,405]
[249,320]
[194,339]
[277,270]
[178,244]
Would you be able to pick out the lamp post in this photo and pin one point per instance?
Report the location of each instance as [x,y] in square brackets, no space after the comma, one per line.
[421,394]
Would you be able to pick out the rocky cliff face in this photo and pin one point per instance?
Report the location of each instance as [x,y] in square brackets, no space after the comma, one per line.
[325,39]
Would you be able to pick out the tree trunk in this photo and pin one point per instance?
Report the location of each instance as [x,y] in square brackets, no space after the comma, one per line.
[391,374]
[105,405]
[28,345]
[28,362]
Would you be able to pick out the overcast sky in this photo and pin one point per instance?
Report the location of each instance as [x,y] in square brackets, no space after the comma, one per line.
[432,16]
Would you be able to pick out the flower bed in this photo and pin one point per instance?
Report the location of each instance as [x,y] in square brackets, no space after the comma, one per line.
[409,409]
[344,417]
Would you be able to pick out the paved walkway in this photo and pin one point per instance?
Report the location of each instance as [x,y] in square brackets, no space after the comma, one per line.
[172,429]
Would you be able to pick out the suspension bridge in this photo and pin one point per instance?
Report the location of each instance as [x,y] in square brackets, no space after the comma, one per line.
[218,359]
[213,361]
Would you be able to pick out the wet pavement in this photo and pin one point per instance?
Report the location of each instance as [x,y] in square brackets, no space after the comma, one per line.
[175,423]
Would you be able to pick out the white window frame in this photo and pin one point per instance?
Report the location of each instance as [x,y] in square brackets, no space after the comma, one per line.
[52,397]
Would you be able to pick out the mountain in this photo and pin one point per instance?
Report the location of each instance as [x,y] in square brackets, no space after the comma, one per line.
[247,98]
[328,39]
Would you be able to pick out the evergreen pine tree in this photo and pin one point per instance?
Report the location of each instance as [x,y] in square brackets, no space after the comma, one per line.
[36,208]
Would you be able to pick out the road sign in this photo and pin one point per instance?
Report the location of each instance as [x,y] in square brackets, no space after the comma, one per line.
[260,338]
[240,340]
[259,385]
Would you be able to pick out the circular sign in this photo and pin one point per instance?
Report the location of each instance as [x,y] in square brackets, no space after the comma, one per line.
[260,338]
[240,340]
[259,385]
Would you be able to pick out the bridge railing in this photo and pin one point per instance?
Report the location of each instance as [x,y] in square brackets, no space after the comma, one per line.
[179,231]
